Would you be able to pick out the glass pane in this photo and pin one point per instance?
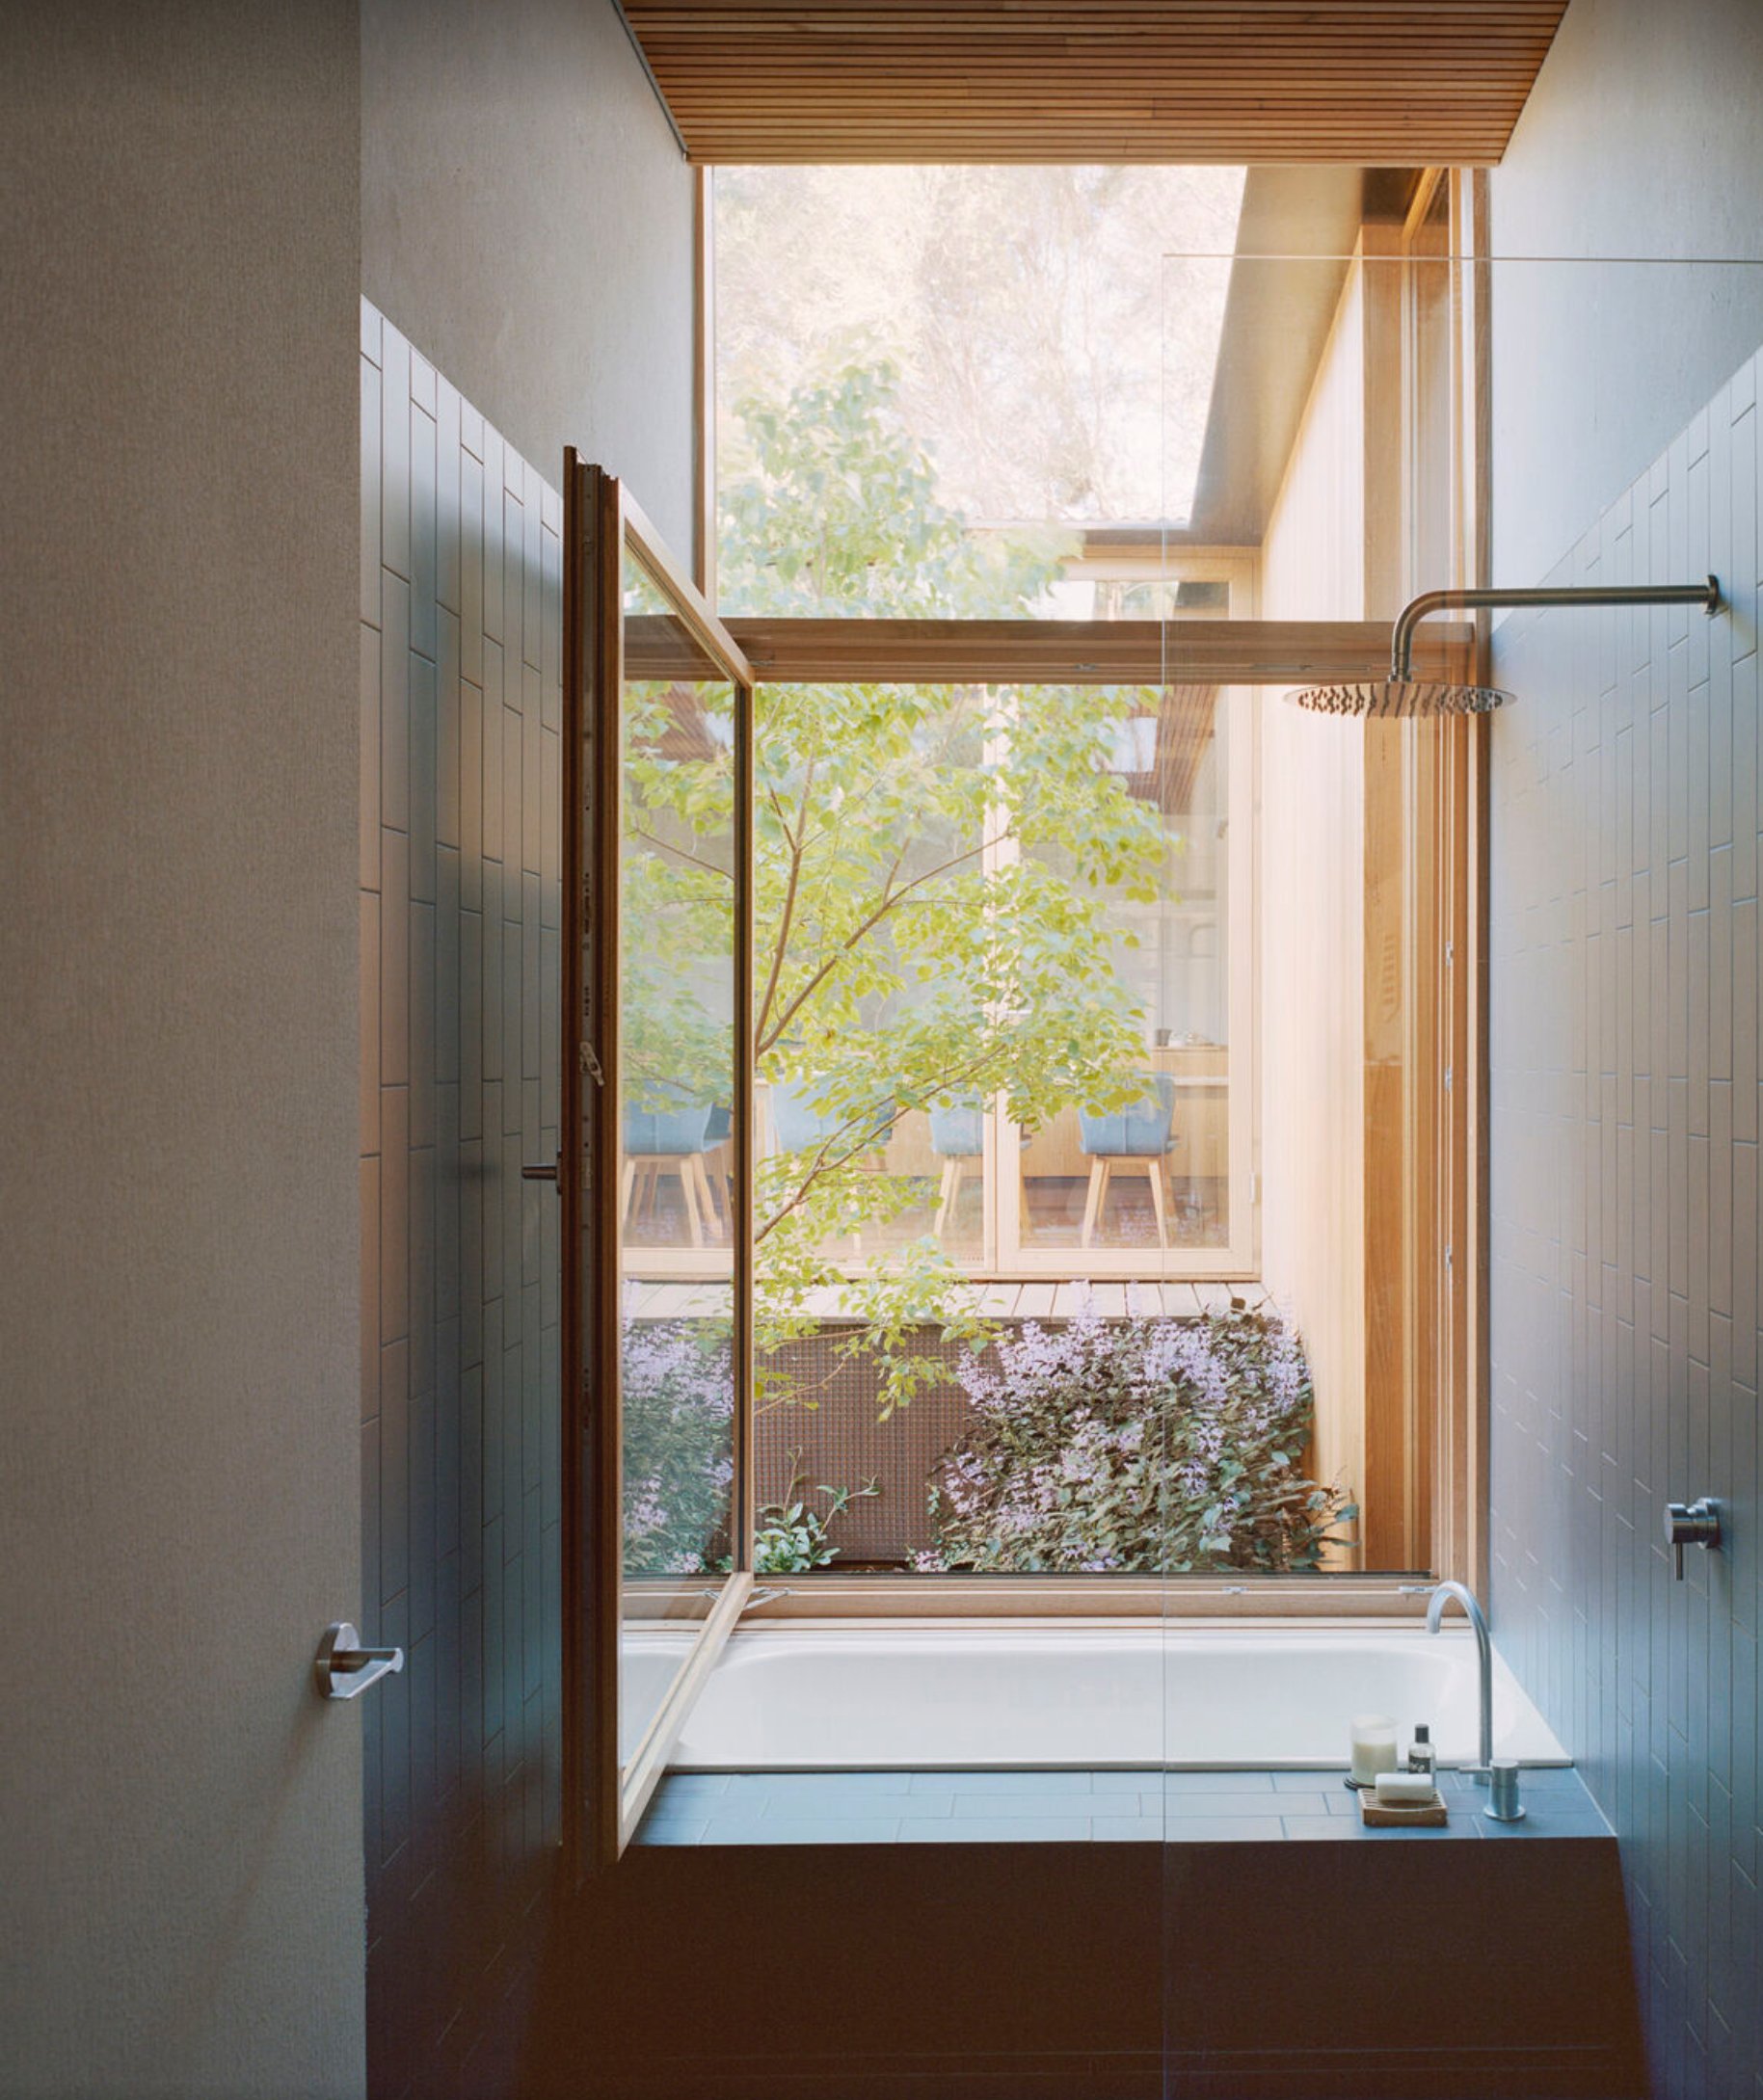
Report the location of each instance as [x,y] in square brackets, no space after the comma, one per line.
[679,1094]
[1132,1158]
[879,1045]
[978,342]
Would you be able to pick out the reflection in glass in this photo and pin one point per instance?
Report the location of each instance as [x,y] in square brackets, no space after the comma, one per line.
[678,1080]
[1014,316]
[1139,1158]
[872,973]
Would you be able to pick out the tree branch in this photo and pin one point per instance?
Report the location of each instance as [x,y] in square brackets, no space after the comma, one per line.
[823,1164]
[691,860]
[859,932]
[797,849]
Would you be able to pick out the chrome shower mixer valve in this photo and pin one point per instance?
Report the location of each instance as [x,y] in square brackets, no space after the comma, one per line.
[1691,1523]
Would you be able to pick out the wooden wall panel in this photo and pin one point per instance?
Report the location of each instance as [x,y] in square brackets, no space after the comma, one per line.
[460,1466]
[1391,83]
[1312,889]
[1340,966]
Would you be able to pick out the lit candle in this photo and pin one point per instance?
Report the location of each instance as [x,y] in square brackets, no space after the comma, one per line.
[1374,1747]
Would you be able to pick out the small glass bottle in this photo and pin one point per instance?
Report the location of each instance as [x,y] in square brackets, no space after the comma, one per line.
[1421,1757]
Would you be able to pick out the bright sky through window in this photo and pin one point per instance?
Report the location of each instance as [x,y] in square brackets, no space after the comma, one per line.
[1041,367]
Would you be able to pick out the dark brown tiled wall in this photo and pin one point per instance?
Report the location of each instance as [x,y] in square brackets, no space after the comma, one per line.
[1626,967]
[461,634]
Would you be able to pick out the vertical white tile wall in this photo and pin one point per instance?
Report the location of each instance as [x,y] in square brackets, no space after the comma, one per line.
[1625,1231]
[461,720]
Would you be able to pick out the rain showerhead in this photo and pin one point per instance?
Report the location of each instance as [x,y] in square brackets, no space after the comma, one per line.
[1402,694]
[1388,699]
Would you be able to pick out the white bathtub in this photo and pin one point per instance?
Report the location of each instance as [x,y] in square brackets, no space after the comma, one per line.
[865,1696]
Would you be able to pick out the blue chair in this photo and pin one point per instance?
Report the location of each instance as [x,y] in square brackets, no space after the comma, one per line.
[957,1134]
[1138,1135]
[670,1138]
[802,1121]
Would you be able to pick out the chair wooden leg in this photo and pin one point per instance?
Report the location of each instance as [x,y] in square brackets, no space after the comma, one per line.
[701,1182]
[1154,1168]
[1096,1197]
[688,1195]
[627,1182]
[946,1195]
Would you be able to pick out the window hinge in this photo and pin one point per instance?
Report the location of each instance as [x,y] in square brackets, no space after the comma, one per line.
[1450,953]
[1446,1257]
[1447,1078]
[590,1064]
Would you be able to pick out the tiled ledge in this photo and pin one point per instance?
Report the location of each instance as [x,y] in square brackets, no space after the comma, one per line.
[1009,1807]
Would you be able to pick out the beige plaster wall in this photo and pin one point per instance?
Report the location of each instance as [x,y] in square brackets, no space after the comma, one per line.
[180,1876]
[1641,139]
[526,221]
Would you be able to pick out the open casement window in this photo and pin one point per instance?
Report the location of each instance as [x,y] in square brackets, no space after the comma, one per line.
[658,1087]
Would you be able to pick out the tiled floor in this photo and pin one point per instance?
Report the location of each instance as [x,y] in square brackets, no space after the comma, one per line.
[982,1807]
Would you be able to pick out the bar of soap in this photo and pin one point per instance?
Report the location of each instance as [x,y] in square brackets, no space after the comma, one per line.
[1397,1789]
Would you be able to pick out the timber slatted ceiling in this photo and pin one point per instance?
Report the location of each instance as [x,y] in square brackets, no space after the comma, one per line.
[1390,82]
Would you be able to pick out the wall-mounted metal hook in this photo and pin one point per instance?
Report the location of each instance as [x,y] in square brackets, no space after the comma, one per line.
[1691,1523]
[344,1669]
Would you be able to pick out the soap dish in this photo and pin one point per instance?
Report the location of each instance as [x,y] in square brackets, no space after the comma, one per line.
[1405,1815]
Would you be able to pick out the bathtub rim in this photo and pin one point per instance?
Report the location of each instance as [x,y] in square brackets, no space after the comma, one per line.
[1348,1597]
[1021,1632]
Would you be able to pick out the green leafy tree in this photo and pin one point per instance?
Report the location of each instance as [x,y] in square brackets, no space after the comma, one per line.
[933,869]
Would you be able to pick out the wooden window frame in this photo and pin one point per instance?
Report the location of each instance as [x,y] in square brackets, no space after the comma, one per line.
[607,1794]
[1444,828]
[1444,770]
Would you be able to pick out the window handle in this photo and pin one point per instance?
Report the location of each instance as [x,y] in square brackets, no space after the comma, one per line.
[344,1669]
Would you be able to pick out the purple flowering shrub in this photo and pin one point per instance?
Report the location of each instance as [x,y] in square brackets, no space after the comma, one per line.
[1142,1446]
[678,1399]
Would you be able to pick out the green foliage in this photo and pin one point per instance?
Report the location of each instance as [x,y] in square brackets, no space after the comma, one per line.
[678,1381]
[791,1538]
[933,871]
[1155,1446]
[933,867]
[830,507]
[677,896]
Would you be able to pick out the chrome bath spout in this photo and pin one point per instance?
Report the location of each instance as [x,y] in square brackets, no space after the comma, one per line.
[1484,1651]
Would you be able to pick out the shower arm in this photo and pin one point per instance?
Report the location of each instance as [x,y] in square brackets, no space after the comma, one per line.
[1706,595]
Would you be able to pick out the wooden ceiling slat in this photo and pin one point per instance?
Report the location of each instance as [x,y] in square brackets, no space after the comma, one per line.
[800,71]
[1143,96]
[1063,38]
[1336,65]
[689,60]
[1109,36]
[706,19]
[1407,82]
